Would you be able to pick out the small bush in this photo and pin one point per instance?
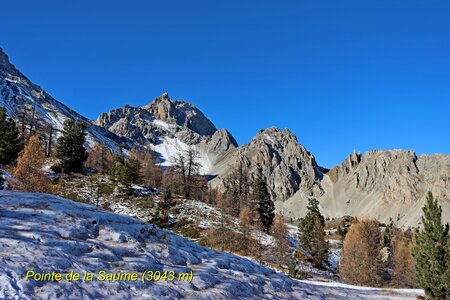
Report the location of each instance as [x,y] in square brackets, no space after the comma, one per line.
[190,232]
[106,189]
[292,270]
[56,168]
[146,202]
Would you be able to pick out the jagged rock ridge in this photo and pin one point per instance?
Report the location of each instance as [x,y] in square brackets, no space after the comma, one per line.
[386,185]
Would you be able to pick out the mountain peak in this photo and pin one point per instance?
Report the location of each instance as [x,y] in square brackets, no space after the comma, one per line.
[3,56]
[164,97]
[181,113]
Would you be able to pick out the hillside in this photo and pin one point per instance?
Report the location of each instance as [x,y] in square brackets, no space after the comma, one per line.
[45,233]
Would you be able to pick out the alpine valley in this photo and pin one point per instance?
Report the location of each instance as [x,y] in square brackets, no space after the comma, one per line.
[386,185]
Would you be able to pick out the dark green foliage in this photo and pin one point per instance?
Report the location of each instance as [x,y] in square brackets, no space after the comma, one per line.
[70,147]
[306,224]
[318,246]
[56,168]
[311,233]
[2,180]
[167,201]
[432,252]
[10,143]
[125,171]
[292,270]
[163,208]
[264,205]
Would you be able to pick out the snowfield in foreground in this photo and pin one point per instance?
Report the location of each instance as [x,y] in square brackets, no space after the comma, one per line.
[45,233]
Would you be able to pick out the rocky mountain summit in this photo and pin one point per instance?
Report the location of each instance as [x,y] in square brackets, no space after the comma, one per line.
[169,127]
[275,156]
[18,95]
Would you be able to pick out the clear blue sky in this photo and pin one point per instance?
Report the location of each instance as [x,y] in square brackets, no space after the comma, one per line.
[342,75]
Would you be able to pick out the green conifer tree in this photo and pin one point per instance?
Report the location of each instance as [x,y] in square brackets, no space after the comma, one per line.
[264,204]
[311,233]
[2,180]
[70,147]
[10,142]
[306,224]
[432,252]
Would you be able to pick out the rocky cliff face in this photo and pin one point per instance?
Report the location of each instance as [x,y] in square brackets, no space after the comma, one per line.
[278,158]
[17,92]
[169,127]
[397,174]
[386,185]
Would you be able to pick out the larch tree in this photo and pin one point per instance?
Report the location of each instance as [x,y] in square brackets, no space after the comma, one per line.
[151,173]
[361,260]
[403,268]
[245,223]
[264,204]
[100,158]
[187,167]
[279,231]
[432,252]
[237,189]
[28,170]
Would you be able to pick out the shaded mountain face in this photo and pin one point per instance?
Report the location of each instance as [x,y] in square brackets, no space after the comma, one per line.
[18,95]
[170,127]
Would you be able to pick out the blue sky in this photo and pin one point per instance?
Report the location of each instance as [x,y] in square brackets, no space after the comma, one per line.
[342,75]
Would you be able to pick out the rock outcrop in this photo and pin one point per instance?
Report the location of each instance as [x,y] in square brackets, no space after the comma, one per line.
[397,174]
[387,185]
[278,158]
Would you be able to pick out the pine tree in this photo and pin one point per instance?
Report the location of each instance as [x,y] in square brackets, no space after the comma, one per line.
[264,205]
[125,172]
[306,224]
[432,252]
[10,142]
[318,246]
[164,206]
[70,149]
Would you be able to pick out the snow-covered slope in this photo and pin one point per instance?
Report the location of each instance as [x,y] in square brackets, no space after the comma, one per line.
[17,93]
[44,233]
